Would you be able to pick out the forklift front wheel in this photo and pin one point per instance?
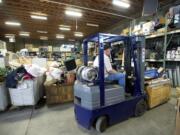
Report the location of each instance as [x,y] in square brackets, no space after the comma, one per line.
[141,108]
[101,124]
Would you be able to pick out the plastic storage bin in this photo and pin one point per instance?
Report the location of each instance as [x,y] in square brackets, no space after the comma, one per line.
[27,93]
[3,97]
[152,73]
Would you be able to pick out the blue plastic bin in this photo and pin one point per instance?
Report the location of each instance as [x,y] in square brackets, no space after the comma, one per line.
[152,73]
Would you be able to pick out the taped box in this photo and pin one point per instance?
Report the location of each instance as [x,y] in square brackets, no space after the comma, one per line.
[59,93]
[158,93]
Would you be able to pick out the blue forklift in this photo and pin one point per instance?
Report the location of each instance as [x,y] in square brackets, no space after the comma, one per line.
[100,104]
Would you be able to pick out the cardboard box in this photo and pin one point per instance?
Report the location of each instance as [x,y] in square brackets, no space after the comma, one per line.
[59,93]
[158,93]
[177,131]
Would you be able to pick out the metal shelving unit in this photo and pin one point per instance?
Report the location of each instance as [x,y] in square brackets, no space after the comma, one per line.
[165,44]
[154,60]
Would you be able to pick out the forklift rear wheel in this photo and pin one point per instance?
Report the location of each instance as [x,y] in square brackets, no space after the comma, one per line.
[141,108]
[101,124]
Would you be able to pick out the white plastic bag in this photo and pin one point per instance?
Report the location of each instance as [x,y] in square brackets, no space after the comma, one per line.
[35,70]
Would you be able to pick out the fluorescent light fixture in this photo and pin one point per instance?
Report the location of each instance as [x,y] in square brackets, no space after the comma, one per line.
[25,34]
[73,12]
[12,40]
[9,35]
[59,36]
[43,38]
[92,24]
[78,34]
[121,3]
[71,40]
[12,23]
[39,17]
[65,28]
[42,32]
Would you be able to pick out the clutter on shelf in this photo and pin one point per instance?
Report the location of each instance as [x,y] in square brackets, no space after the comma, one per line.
[153,73]
[173,16]
[173,54]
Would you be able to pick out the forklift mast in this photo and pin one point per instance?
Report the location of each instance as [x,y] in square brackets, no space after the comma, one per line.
[134,61]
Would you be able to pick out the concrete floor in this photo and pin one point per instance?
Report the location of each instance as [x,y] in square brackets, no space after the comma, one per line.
[59,120]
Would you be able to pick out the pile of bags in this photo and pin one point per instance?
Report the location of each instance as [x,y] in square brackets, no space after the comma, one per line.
[56,74]
[26,72]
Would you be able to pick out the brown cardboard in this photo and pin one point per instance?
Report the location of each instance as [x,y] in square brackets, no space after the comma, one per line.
[158,94]
[59,93]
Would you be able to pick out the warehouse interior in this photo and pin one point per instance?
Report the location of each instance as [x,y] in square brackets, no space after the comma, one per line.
[90,67]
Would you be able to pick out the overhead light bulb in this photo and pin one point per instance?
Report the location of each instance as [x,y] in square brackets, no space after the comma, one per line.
[72,40]
[78,34]
[43,38]
[65,28]
[39,17]
[121,3]
[92,24]
[42,32]
[25,34]
[0,1]
[73,13]
[9,35]
[59,36]
[12,23]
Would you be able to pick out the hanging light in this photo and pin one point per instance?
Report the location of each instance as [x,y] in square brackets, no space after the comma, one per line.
[121,3]
[78,34]
[39,17]
[25,34]
[12,23]
[73,12]
[59,36]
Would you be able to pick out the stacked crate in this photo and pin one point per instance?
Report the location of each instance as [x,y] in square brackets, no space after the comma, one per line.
[59,93]
[158,92]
